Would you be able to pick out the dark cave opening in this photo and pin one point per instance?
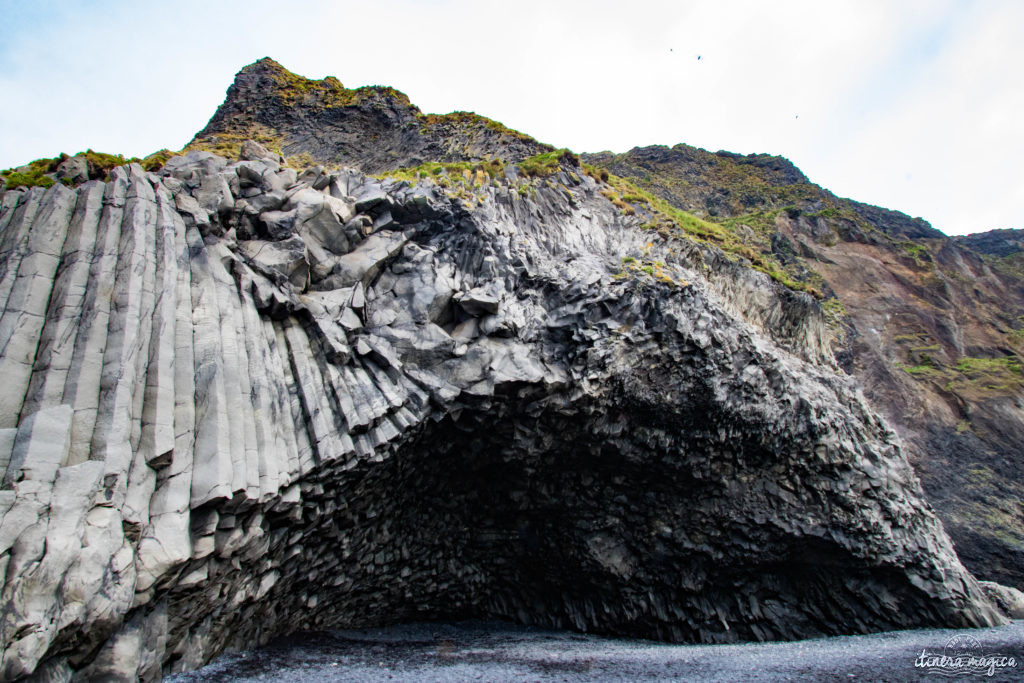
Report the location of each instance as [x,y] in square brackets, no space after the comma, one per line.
[551,513]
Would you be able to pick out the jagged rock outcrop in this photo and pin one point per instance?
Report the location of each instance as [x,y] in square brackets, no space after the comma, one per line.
[374,128]
[931,326]
[999,243]
[241,401]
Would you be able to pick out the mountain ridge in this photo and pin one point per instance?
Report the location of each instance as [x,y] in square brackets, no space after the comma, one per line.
[300,116]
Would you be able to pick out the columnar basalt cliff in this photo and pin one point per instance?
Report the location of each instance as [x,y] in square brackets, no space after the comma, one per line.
[243,400]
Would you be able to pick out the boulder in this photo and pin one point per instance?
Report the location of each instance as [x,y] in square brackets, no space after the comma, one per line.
[1007,599]
[322,218]
[252,151]
[287,257]
[75,169]
[366,261]
[479,300]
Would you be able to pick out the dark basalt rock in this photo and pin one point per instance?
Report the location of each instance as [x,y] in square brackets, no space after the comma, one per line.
[912,311]
[374,128]
[464,409]
[995,242]
[896,223]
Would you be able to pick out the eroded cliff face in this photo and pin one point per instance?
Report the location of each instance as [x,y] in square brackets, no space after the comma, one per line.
[931,326]
[240,402]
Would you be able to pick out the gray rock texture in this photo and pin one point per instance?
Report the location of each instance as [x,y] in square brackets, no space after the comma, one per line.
[1007,599]
[931,326]
[240,401]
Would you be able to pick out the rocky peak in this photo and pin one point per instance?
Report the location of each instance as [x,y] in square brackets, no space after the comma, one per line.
[715,184]
[261,67]
[774,170]
[1000,243]
[697,164]
[895,223]
[259,83]
[373,128]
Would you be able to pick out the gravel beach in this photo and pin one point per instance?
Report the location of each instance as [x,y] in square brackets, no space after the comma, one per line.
[496,651]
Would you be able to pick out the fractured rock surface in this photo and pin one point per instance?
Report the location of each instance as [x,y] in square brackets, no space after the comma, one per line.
[239,402]
[929,325]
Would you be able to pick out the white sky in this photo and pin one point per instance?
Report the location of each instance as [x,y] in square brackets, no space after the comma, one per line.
[912,105]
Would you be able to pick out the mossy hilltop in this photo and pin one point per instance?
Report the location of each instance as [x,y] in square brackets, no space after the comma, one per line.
[374,128]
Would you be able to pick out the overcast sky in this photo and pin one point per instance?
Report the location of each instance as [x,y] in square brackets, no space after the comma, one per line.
[916,106]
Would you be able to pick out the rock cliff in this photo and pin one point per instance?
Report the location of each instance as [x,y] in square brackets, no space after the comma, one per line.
[931,326]
[243,399]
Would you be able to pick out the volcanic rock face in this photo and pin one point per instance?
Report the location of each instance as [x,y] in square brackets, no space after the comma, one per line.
[373,128]
[240,402]
[931,326]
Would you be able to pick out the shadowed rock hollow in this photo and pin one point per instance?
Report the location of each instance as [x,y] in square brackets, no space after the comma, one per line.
[241,402]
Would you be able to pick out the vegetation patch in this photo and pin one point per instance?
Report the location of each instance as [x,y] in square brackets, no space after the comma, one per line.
[39,173]
[652,269]
[621,204]
[926,369]
[292,89]
[451,174]
[970,377]
[919,252]
[548,163]
[468,119]
[989,366]
[667,220]
[834,307]
[300,161]
[835,312]
[156,160]
[33,176]
[598,174]
[229,144]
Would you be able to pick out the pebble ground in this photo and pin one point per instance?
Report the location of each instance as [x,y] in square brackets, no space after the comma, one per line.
[494,651]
